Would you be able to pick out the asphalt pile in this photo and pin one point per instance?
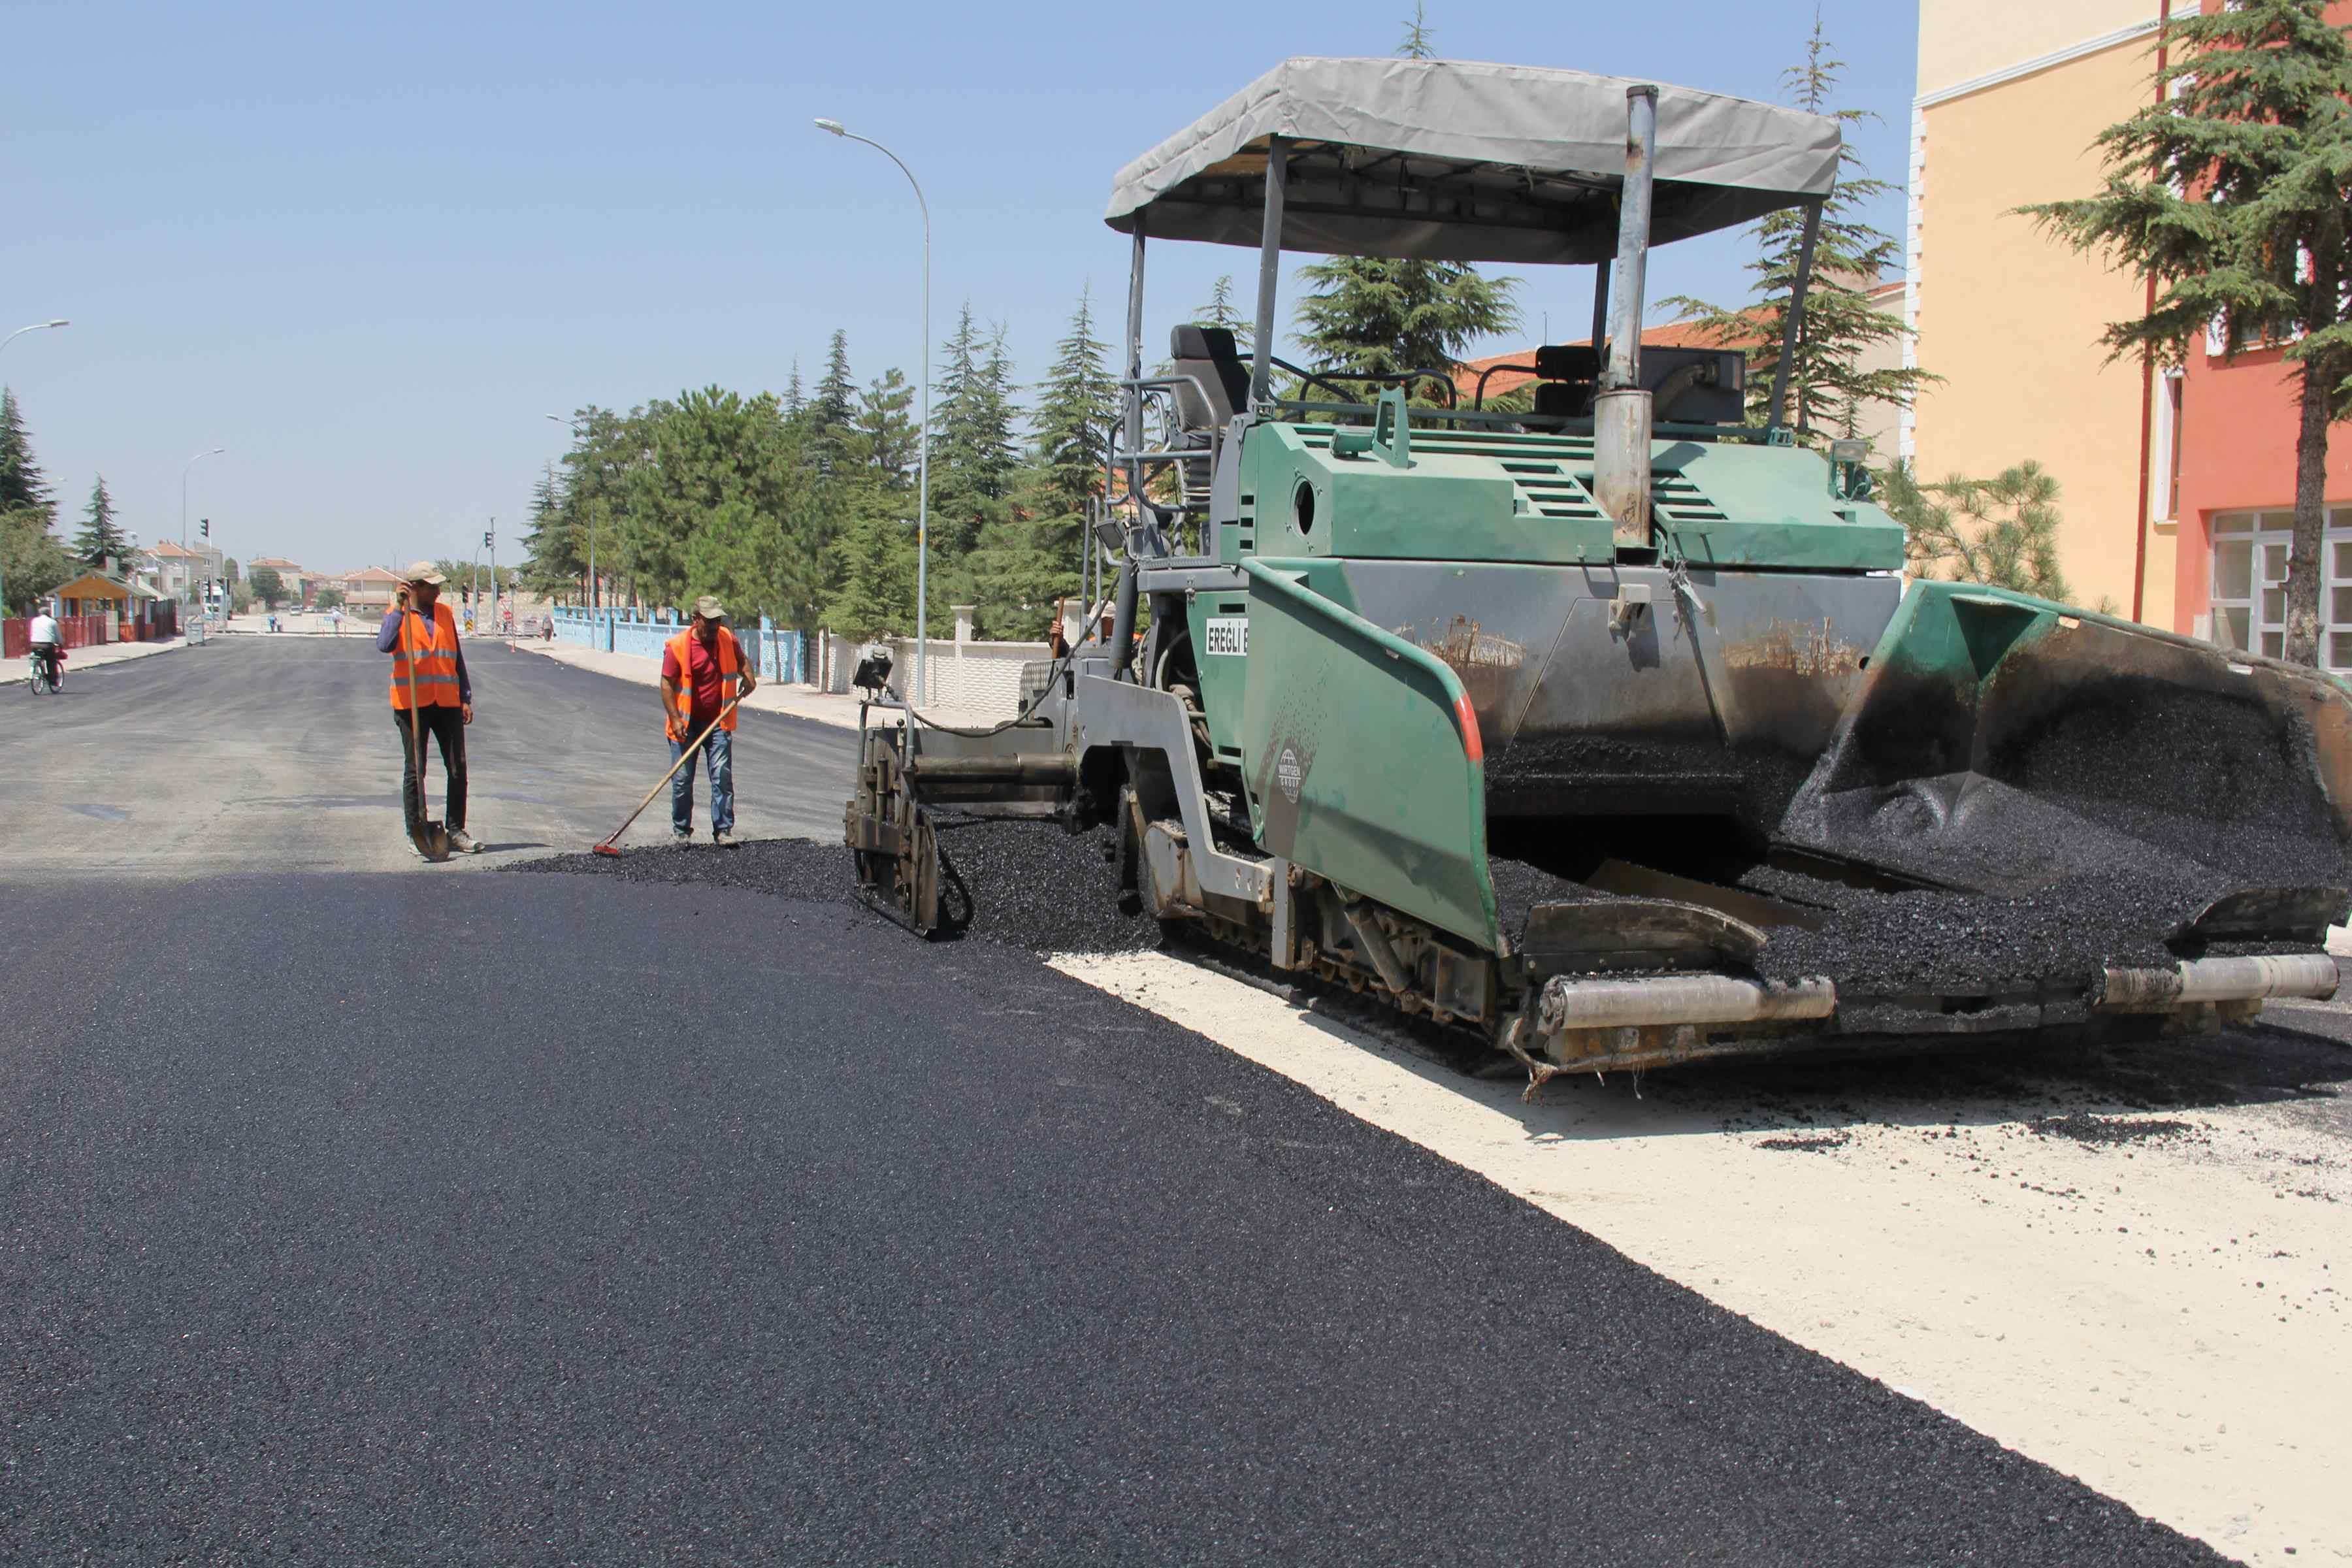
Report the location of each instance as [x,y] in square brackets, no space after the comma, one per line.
[1031,884]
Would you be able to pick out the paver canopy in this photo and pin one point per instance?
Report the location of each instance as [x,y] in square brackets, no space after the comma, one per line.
[1460,161]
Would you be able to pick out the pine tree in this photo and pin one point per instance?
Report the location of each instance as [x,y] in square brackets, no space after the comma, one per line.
[99,538]
[2231,191]
[796,401]
[874,594]
[1416,44]
[883,438]
[1371,315]
[550,562]
[2002,531]
[834,405]
[973,463]
[1220,311]
[1076,406]
[22,484]
[1828,386]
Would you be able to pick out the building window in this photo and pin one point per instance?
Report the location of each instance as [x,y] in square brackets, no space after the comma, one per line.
[2166,459]
[2249,551]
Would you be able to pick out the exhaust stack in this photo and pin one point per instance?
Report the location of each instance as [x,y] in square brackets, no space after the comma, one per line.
[1621,413]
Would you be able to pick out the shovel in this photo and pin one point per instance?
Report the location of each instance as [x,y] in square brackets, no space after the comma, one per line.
[683,758]
[431,837]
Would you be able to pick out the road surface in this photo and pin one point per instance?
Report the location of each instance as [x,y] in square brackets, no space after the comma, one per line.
[429,1215]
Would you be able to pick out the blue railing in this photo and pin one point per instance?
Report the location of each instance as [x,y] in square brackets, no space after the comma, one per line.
[781,654]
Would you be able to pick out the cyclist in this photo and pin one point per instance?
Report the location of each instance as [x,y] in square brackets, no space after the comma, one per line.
[49,644]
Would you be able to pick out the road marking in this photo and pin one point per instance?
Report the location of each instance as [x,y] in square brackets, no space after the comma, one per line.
[2159,1319]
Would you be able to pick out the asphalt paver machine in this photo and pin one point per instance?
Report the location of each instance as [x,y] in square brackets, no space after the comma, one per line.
[1609,727]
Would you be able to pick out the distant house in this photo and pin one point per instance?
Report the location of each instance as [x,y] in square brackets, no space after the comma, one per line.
[370,588]
[298,581]
[177,571]
[93,594]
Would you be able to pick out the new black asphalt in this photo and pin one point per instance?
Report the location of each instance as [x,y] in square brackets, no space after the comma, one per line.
[556,1219]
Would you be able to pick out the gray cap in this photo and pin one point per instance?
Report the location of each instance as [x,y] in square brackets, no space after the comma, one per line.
[424,572]
[709,608]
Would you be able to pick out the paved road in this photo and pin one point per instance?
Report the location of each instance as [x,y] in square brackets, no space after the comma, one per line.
[263,753]
[569,1221]
[693,1223]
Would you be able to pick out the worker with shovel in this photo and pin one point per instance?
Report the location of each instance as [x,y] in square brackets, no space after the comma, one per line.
[703,678]
[431,695]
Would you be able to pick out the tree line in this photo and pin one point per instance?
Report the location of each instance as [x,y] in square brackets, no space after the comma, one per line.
[34,561]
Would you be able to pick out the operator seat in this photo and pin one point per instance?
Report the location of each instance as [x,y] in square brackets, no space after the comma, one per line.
[1205,404]
[1207,354]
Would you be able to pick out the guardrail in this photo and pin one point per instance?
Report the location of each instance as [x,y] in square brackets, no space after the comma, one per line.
[779,653]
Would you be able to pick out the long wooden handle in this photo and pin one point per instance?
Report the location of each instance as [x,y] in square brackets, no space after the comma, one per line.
[416,714]
[683,758]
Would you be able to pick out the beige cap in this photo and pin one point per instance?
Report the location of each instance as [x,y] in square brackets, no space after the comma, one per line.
[709,608]
[424,572]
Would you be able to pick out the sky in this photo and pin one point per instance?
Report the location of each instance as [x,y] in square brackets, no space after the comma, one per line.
[368,249]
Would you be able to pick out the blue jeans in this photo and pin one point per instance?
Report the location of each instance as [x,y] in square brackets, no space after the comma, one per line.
[719,756]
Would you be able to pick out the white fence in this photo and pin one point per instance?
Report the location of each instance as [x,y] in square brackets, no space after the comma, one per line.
[965,672]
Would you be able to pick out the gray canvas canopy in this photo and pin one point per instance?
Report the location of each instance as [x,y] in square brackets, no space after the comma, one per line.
[1459,160]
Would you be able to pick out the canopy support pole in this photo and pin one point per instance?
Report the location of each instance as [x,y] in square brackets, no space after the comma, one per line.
[1600,305]
[1621,413]
[1269,267]
[1795,323]
[1134,420]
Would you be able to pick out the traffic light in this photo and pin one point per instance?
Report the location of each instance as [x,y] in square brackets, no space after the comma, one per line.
[203,528]
[486,539]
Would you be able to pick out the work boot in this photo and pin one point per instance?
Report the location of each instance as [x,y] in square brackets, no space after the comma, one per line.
[720,836]
[462,842]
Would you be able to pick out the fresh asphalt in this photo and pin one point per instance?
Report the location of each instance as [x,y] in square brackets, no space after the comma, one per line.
[257,752]
[439,1218]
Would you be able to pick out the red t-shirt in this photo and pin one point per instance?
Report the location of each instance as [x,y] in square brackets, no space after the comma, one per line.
[704,676]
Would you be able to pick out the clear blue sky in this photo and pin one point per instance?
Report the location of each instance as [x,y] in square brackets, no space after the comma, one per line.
[367,248]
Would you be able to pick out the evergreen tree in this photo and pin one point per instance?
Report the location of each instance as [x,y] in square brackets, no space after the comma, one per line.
[883,436]
[550,562]
[1416,44]
[834,405]
[796,401]
[22,483]
[2231,191]
[974,461]
[1375,316]
[99,538]
[874,594]
[2002,531]
[1220,311]
[1829,387]
[1076,406]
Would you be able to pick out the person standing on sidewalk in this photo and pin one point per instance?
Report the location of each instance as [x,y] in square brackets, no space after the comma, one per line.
[422,637]
[702,671]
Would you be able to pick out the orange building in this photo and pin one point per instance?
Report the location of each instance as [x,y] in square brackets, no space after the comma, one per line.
[2174,486]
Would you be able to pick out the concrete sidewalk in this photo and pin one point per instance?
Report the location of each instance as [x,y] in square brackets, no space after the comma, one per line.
[771,697]
[80,658]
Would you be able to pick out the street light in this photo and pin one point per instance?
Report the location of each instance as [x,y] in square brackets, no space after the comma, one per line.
[923,451]
[192,462]
[574,425]
[37,326]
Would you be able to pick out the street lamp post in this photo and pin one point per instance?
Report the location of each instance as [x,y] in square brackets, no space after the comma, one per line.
[923,450]
[574,426]
[192,462]
[37,326]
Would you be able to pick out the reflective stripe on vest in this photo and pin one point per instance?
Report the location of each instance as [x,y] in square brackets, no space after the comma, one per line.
[432,650]
[731,680]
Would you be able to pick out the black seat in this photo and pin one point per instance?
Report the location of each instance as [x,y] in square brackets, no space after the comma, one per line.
[1208,355]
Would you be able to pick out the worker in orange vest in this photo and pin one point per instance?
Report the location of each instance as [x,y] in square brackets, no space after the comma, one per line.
[422,637]
[703,671]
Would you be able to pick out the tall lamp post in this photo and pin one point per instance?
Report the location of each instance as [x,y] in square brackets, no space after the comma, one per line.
[37,326]
[923,451]
[11,338]
[574,426]
[192,462]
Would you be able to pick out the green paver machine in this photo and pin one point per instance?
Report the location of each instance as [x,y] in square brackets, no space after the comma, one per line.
[1557,723]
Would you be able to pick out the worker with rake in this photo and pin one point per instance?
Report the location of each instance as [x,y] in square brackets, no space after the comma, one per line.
[703,678]
[430,693]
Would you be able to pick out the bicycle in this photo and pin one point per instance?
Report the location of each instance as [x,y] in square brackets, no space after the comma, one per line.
[46,677]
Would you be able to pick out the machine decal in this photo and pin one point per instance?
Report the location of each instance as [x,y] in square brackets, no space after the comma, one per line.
[1228,634]
[1289,774]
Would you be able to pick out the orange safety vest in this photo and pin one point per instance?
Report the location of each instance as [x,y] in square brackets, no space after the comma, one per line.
[433,651]
[731,682]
